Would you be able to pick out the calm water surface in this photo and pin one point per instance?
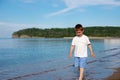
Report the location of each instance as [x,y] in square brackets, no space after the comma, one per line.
[47,58]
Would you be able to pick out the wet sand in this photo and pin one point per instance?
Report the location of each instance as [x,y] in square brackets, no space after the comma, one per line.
[115,75]
[105,67]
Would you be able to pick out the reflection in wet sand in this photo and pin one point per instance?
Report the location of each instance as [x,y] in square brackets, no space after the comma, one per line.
[111,43]
[97,69]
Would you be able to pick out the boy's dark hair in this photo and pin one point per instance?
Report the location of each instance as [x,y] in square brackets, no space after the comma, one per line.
[78,27]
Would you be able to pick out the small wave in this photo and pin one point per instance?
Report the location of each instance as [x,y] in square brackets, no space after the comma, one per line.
[39,73]
[113,49]
[101,59]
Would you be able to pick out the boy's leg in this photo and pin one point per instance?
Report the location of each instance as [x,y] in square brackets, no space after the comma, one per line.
[82,66]
[81,70]
[80,63]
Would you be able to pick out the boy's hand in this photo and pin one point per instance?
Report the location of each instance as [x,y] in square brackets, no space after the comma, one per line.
[92,55]
[71,50]
[70,55]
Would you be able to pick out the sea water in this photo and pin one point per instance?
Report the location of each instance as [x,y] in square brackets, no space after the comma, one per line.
[47,59]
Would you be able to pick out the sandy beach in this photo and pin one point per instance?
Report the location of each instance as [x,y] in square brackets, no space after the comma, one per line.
[115,75]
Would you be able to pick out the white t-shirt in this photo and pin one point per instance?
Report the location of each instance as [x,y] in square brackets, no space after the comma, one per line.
[80,44]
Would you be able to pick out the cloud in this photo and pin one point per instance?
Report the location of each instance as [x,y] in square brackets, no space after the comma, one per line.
[28,1]
[73,4]
[7,28]
[60,12]
[55,5]
[78,3]
[13,24]
[20,26]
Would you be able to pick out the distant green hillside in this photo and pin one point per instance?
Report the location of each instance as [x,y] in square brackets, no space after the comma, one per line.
[67,32]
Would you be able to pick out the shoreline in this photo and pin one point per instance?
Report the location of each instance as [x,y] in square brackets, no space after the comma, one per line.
[72,37]
[96,37]
[104,37]
[115,75]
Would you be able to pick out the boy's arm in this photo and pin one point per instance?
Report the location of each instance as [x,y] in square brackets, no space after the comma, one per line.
[91,50]
[71,50]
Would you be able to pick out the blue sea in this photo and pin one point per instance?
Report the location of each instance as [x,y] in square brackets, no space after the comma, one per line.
[47,59]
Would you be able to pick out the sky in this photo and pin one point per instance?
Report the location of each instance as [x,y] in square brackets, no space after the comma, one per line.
[21,14]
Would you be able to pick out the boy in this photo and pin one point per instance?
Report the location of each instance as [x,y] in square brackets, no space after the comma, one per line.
[80,43]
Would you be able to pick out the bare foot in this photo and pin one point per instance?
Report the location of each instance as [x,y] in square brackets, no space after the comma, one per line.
[80,78]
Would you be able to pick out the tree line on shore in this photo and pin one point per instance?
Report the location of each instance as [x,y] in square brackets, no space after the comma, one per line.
[97,31]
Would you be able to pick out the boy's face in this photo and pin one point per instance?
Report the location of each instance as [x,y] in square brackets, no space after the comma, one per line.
[79,32]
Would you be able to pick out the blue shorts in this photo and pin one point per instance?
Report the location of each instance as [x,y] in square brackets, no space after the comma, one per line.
[80,62]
